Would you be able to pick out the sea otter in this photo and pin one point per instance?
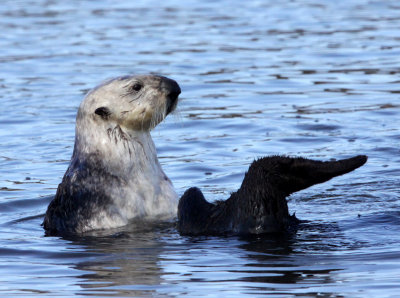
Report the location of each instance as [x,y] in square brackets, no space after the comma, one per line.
[114,175]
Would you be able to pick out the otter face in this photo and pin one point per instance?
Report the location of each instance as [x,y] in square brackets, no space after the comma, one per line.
[132,102]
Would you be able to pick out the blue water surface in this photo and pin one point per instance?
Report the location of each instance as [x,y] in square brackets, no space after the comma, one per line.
[318,79]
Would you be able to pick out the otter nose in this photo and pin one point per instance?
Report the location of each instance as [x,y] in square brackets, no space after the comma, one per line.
[172,90]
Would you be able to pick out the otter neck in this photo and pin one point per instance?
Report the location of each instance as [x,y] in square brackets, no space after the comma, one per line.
[121,152]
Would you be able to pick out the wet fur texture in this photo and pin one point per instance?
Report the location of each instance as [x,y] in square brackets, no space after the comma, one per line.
[259,206]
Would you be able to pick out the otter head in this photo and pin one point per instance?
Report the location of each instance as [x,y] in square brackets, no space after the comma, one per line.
[134,103]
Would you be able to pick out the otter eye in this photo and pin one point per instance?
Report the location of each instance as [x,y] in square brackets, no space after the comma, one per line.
[136,87]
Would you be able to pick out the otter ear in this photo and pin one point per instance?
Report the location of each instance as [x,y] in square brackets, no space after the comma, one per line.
[103,112]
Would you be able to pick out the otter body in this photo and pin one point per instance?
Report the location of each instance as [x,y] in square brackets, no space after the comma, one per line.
[114,174]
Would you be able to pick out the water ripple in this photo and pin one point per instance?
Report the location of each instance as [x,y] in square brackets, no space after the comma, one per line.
[312,78]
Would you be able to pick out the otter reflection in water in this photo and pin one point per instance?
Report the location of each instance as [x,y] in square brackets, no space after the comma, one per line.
[114,175]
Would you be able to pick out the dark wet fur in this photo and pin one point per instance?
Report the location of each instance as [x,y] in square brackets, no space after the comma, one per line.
[259,206]
[70,209]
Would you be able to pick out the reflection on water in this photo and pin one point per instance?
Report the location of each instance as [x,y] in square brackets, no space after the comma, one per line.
[312,78]
[127,262]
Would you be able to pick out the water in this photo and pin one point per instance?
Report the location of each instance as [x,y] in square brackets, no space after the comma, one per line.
[319,79]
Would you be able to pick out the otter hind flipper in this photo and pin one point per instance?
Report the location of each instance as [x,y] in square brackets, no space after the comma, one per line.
[293,174]
[259,205]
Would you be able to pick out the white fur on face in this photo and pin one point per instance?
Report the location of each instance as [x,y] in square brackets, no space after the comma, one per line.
[132,109]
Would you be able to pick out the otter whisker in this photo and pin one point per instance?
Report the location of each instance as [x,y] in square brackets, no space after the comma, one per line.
[133,99]
[142,122]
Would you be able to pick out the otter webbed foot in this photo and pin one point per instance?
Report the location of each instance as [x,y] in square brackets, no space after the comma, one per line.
[288,174]
[259,205]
